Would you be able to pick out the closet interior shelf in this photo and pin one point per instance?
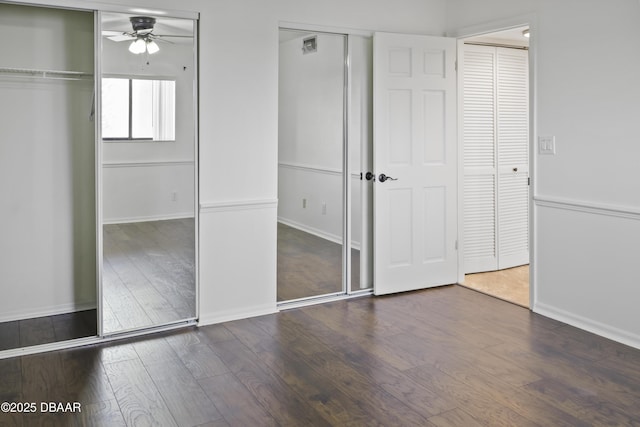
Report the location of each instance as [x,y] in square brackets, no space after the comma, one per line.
[44,74]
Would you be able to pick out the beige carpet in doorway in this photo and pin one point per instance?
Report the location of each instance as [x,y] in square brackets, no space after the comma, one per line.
[510,285]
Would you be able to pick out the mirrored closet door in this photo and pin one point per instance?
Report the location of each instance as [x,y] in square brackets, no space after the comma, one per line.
[324,140]
[148,155]
[47,176]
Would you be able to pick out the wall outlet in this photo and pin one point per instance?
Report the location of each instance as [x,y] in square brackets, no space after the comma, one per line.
[174,196]
[324,209]
[304,203]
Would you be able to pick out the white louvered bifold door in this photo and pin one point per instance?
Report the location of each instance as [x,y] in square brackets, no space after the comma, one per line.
[496,160]
[479,110]
[513,157]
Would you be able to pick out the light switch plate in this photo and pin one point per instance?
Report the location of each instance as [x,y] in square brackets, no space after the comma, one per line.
[546,145]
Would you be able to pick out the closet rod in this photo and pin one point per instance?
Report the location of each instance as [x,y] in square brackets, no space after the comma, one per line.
[508,46]
[45,74]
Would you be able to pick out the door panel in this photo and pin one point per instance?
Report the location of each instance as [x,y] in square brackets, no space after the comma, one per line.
[480,198]
[513,157]
[415,211]
[496,158]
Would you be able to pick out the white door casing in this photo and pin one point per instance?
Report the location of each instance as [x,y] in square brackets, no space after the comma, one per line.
[415,142]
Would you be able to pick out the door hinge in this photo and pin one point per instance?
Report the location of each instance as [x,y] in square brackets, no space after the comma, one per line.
[456,245]
[456,65]
[529,181]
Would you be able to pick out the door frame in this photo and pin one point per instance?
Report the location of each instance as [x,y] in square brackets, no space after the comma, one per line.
[492,27]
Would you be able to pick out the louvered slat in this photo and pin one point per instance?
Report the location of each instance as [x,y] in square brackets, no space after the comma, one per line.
[479,108]
[479,218]
[513,222]
[512,108]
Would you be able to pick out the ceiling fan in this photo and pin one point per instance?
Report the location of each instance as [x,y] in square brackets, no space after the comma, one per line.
[142,36]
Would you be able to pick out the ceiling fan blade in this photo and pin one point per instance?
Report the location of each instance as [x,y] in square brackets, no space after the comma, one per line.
[170,35]
[121,37]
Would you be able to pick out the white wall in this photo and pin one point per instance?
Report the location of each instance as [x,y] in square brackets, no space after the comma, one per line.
[587,198]
[151,180]
[310,138]
[592,112]
[47,166]
[238,130]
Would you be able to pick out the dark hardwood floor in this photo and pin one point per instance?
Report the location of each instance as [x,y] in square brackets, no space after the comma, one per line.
[148,273]
[48,329]
[148,279]
[447,356]
[310,266]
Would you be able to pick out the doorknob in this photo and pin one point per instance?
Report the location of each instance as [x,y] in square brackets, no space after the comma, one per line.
[369,176]
[515,169]
[382,178]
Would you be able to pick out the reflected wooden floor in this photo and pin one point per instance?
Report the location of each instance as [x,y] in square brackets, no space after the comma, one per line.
[446,356]
[510,285]
[309,265]
[148,273]
[48,329]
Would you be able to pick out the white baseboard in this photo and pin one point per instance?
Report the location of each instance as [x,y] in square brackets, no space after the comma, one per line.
[230,315]
[316,232]
[129,220]
[589,325]
[47,311]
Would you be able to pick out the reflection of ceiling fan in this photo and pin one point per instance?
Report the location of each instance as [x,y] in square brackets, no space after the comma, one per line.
[142,37]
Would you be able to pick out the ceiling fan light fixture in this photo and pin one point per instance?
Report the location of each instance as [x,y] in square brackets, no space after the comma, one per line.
[152,47]
[138,46]
[142,23]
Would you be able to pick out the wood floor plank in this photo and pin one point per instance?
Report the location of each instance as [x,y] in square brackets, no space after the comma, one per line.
[196,354]
[9,335]
[85,377]
[380,405]
[236,404]
[184,397]
[149,273]
[392,381]
[284,404]
[36,331]
[514,398]
[308,265]
[11,384]
[331,403]
[43,378]
[100,414]
[454,418]
[297,363]
[360,375]
[480,406]
[74,325]
[578,387]
[138,398]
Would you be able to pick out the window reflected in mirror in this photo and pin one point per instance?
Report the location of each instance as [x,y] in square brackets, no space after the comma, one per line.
[138,109]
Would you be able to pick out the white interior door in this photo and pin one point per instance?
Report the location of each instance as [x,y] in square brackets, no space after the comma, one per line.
[512,94]
[480,168]
[415,211]
[496,160]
